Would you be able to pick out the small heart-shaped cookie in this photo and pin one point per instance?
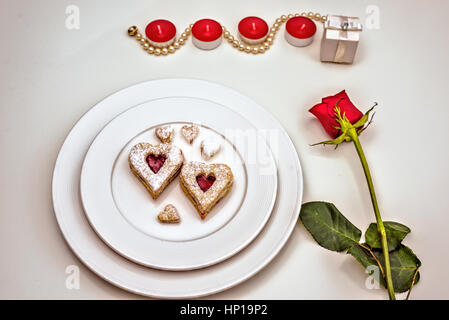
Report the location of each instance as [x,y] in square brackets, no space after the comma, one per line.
[190,132]
[169,215]
[209,148]
[155,165]
[165,134]
[205,184]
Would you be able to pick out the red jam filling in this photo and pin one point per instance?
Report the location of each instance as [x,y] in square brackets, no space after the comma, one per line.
[156,162]
[205,182]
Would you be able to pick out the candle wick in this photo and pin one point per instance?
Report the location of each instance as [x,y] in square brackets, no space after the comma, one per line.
[159,29]
[303,26]
[207,28]
[254,26]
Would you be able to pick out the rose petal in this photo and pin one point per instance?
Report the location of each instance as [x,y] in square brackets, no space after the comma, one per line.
[320,111]
[346,106]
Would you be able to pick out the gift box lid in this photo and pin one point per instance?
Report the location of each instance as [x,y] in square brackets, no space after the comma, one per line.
[343,28]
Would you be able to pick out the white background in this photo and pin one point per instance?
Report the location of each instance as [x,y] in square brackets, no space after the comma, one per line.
[50,76]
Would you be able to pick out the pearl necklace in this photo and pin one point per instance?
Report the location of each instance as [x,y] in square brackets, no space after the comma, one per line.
[233,40]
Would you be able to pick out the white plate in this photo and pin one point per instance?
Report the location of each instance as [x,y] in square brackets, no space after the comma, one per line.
[123,213]
[109,265]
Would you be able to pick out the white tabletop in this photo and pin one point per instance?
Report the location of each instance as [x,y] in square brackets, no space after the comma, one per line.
[51,75]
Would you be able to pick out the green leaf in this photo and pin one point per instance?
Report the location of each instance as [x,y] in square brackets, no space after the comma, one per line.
[403,262]
[328,226]
[396,232]
[362,255]
[366,260]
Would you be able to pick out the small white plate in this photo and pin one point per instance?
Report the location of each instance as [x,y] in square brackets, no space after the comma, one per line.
[112,267]
[123,213]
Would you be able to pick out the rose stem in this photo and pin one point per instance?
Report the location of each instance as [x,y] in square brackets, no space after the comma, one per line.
[380,225]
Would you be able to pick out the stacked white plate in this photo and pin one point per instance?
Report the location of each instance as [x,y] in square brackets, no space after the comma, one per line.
[109,220]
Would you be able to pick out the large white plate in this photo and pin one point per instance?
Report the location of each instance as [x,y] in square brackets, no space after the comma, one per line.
[109,265]
[124,214]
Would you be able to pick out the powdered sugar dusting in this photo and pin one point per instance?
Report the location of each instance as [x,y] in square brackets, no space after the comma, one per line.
[209,148]
[190,132]
[155,181]
[169,215]
[165,134]
[206,200]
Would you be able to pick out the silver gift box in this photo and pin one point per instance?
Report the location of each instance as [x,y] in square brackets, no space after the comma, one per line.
[340,39]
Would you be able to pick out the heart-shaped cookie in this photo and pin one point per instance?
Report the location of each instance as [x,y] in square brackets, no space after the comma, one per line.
[190,132]
[169,215]
[205,184]
[209,148]
[165,134]
[155,165]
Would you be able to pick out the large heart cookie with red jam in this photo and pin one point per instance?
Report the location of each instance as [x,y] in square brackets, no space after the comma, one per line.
[205,184]
[155,165]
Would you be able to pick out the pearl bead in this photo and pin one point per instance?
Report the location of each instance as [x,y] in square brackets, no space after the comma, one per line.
[181,41]
[191,26]
[171,49]
[176,45]
[248,49]
[290,16]
[273,29]
[157,51]
[184,35]
[151,50]
[241,47]
[276,25]
[138,36]
[230,38]
[271,35]
[284,18]
[188,30]
[235,43]
[261,49]
[255,50]
[278,20]
[146,46]
[142,41]
[226,34]
[297,14]
[269,40]
[266,45]
[164,51]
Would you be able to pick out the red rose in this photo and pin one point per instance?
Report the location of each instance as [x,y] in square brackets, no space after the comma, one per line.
[325,112]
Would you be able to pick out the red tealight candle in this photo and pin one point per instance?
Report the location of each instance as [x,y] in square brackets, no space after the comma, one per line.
[207,34]
[253,30]
[160,33]
[300,31]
